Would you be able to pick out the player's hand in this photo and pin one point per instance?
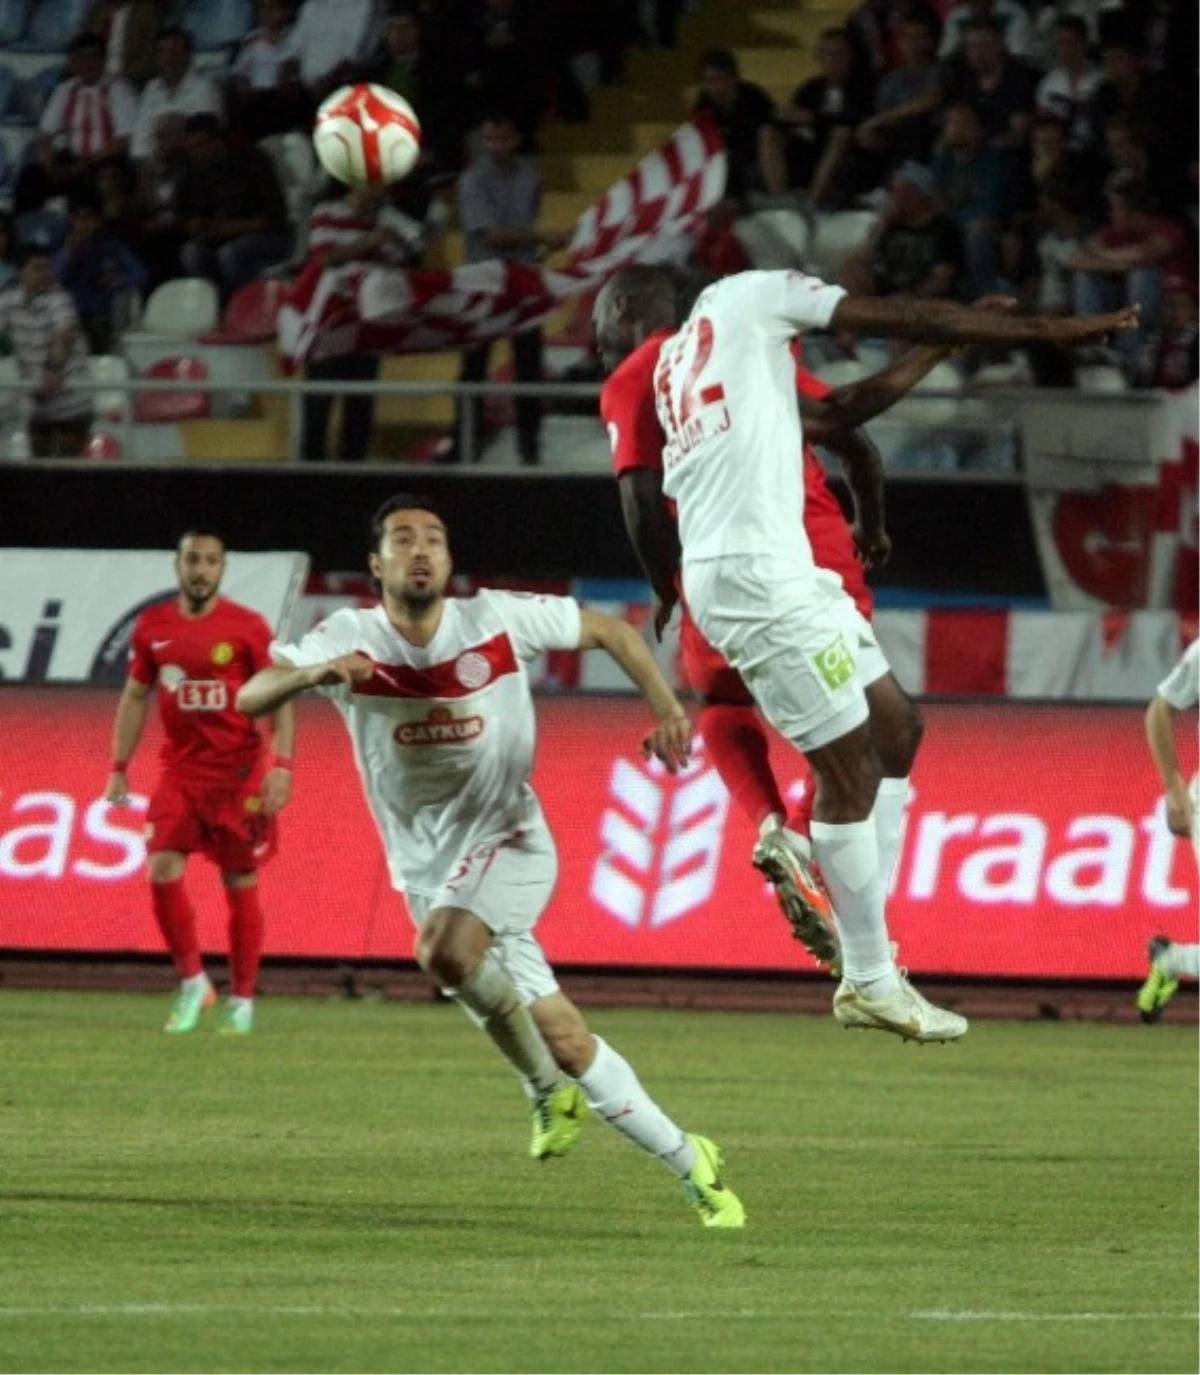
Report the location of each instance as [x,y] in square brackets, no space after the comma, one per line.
[874,546]
[116,794]
[276,790]
[670,742]
[1075,331]
[346,668]
[1180,817]
[664,609]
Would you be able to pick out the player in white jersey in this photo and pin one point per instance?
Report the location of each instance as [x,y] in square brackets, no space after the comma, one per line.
[726,402]
[1178,691]
[435,694]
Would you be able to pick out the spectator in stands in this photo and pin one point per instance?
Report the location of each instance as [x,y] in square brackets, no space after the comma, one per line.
[89,116]
[1171,359]
[1126,260]
[499,201]
[261,102]
[1169,42]
[51,352]
[1067,90]
[351,227]
[97,268]
[504,63]
[330,43]
[1126,90]
[1063,229]
[177,89]
[160,178]
[902,127]
[8,251]
[914,249]
[404,68]
[115,183]
[999,89]
[741,112]
[972,178]
[810,145]
[877,30]
[1007,17]
[129,29]
[232,208]
[1051,155]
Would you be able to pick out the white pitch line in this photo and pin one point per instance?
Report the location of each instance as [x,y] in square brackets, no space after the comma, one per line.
[952,1315]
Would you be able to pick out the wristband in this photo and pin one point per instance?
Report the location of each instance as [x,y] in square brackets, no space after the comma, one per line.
[120,766]
[282,761]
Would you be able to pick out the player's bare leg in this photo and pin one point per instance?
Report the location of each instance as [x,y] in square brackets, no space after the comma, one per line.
[613,1092]
[896,731]
[245,951]
[177,922]
[873,994]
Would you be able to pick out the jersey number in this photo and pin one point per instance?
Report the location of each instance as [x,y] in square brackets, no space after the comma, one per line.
[202,695]
[693,394]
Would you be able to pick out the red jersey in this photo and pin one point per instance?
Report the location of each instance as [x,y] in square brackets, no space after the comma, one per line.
[627,408]
[199,662]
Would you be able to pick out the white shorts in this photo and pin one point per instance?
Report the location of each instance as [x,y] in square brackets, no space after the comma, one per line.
[803,648]
[507,885]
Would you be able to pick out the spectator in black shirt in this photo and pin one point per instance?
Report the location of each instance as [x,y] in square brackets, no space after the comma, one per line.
[901,129]
[1127,90]
[914,249]
[741,111]
[1000,89]
[814,132]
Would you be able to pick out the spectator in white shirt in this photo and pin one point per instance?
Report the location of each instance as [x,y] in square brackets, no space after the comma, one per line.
[262,102]
[1066,90]
[51,355]
[330,42]
[1008,17]
[175,90]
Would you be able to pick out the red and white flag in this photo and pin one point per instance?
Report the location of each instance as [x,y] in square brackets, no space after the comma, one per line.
[362,308]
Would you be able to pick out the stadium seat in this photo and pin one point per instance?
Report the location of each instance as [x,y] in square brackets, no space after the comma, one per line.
[250,315]
[38,89]
[775,240]
[8,92]
[108,368]
[52,25]
[183,308]
[1099,379]
[13,17]
[218,23]
[835,236]
[103,446]
[168,408]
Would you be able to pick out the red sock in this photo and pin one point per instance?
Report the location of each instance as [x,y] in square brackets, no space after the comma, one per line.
[245,940]
[801,816]
[737,741]
[177,922]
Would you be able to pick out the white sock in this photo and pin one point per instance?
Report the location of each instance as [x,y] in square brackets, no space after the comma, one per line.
[195,983]
[489,995]
[849,858]
[614,1092]
[888,816]
[1182,960]
[235,1002]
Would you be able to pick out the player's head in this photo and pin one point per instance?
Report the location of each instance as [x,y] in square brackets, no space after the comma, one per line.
[631,305]
[410,552]
[199,566]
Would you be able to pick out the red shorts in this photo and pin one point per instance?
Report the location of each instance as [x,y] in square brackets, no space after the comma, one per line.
[224,821]
[706,669]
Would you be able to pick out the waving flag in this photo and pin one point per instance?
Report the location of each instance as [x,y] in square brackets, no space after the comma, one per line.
[361,308]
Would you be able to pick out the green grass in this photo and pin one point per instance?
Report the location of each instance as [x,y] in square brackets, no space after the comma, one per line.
[348,1190]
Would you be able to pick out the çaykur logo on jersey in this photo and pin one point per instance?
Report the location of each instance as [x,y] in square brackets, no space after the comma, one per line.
[439,727]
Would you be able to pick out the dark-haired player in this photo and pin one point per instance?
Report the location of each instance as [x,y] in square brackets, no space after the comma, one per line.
[435,694]
[220,787]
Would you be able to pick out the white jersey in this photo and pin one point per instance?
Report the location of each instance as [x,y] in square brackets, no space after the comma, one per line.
[444,735]
[725,388]
[1181,687]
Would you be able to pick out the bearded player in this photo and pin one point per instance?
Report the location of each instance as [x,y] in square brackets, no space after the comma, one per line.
[725,398]
[219,789]
[434,691]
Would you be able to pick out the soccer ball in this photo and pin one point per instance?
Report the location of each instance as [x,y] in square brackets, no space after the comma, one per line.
[367,136]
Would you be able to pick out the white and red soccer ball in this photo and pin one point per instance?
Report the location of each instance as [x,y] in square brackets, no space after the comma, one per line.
[367,135]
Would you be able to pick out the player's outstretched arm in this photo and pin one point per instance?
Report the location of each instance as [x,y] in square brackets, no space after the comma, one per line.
[845,408]
[671,739]
[127,732]
[1160,736]
[654,535]
[926,321]
[271,687]
[862,464]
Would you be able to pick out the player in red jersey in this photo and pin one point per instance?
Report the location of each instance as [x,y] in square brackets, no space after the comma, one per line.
[218,791]
[730,724]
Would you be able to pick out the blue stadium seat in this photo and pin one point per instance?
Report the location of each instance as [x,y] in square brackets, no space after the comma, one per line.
[218,23]
[39,89]
[13,17]
[52,25]
[8,92]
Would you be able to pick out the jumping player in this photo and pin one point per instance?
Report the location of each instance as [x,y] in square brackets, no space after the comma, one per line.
[219,790]
[435,695]
[729,723]
[725,398]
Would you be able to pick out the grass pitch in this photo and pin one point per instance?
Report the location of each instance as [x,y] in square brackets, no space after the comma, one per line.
[348,1190]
